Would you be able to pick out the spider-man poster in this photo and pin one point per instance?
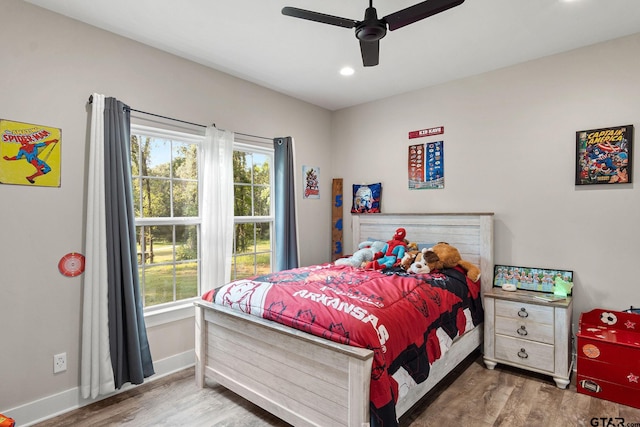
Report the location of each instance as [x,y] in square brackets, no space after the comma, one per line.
[29,154]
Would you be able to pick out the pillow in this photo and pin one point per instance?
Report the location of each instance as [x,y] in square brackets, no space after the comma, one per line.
[366,198]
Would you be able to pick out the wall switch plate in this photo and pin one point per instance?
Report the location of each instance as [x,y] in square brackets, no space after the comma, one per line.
[59,363]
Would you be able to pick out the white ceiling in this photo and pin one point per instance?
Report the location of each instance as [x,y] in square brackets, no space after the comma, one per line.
[252,40]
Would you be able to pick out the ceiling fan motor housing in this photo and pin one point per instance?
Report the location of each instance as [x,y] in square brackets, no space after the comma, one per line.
[371,28]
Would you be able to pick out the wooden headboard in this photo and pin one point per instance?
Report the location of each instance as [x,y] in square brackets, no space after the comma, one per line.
[471,233]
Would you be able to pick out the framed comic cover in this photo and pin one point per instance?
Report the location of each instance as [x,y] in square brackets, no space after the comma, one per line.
[29,154]
[603,156]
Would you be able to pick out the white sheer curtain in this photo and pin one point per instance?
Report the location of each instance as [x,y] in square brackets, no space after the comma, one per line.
[217,207]
[96,375]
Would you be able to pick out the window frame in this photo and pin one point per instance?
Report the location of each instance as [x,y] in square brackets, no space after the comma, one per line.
[264,149]
[168,307]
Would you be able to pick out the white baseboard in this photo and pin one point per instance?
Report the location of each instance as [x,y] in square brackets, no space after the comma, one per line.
[60,403]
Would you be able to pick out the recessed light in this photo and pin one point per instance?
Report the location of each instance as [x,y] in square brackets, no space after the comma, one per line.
[347,71]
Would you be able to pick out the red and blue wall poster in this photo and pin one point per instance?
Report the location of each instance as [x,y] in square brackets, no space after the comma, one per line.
[311,177]
[603,156]
[29,154]
[426,166]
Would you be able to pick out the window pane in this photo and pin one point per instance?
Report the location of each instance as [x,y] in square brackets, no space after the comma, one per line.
[141,236]
[261,200]
[261,168]
[185,198]
[160,244]
[135,155]
[156,198]
[185,160]
[244,266]
[263,263]
[244,239]
[136,196]
[186,242]
[241,167]
[158,158]
[242,202]
[263,236]
[158,284]
[186,280]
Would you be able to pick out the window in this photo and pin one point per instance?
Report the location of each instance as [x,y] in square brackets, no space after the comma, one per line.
[165,174]
[253,211]
[166,192]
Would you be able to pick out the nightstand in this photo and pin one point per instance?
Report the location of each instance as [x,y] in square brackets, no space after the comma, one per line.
[523,331]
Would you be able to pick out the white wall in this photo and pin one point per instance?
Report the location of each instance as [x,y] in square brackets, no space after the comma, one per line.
[509,148]
[50,66]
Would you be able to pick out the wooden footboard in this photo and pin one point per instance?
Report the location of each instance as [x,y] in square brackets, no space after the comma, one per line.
[302,379]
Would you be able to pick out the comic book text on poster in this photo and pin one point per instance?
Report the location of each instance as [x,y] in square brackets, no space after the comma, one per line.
[426,166]
[29,154]
[604,155]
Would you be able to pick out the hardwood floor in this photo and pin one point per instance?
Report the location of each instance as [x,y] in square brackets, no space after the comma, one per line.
[471,396]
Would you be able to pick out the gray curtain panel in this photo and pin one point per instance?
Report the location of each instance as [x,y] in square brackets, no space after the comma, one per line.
[284,196]
[129,347]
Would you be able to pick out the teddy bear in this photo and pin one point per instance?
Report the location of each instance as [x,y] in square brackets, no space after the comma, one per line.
[365,253]
[393,252]
[443,255]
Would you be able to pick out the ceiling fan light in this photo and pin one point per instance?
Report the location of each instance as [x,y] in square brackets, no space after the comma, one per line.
[347,71]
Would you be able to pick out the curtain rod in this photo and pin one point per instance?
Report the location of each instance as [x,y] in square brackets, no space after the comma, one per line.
[182,121]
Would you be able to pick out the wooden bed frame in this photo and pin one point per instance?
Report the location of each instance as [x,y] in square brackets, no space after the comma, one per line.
[309,381]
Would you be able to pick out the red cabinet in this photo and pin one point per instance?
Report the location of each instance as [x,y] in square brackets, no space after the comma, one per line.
[609,356]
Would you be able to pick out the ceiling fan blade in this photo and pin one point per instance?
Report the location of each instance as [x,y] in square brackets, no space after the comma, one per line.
[370,52]
[319,17]
[419,11]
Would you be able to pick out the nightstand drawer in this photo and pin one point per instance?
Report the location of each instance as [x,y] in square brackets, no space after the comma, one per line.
[527,353]
[523,311]
[525,329]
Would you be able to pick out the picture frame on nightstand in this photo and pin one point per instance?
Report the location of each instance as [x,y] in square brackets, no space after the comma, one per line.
[529,278]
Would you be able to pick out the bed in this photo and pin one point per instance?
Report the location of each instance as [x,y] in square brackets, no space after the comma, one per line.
[308,380]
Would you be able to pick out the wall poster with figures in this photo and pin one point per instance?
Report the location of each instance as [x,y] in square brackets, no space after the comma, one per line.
[29,154]
[310,177]
[603,156]
[426,166]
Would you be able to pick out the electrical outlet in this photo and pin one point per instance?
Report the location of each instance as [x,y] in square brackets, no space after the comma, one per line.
[59,362]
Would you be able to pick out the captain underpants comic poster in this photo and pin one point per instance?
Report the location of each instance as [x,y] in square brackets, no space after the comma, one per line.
[426,166]
[29,154]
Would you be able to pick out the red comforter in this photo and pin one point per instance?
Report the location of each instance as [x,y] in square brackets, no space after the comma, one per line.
[407,320]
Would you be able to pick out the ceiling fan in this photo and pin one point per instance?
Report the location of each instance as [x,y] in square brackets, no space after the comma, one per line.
[371,29]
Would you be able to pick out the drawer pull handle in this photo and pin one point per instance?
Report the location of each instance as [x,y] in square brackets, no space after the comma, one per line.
[522,354]
[522,331]
[523,312]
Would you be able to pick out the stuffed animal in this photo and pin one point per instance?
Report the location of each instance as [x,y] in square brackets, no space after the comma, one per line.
[419,264]
[393,252]
[363,255]
[443,255]
[409,256]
